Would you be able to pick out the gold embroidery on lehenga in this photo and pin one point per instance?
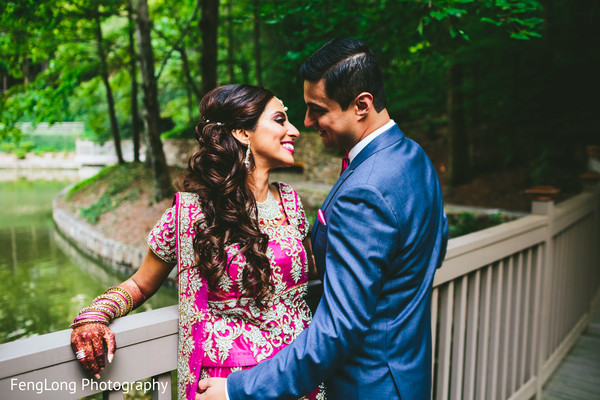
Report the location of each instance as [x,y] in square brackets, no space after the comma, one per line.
[189,283]
[287,314]
[163,244]
[264,331]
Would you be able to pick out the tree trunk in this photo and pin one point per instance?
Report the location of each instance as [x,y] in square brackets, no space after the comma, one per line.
[458,155]
[190,105]
[114,125]
[135,116]
[209,25]
[230,47]
[257,53]
[26,68]
[185,64]
[151,112]
[245,72]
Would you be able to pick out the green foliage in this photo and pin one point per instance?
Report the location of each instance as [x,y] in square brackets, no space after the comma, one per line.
[104,204]
[180,132]
[7,147]
[520,18]
[89,181]
[519,90]
[40,143]
[116,184]
[27,145]
[21,145]
[460,224]
[311,215]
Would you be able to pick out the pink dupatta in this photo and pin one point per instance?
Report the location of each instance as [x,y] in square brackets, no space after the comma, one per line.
[193,298]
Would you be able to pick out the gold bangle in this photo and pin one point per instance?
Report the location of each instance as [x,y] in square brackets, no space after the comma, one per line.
[86,322]
[101,306]
[121,303]
[113,303]
[124,293]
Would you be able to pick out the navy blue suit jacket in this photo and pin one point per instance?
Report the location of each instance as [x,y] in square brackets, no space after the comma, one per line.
[385,235]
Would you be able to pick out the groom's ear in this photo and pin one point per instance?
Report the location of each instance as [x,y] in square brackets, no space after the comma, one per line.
[363,104]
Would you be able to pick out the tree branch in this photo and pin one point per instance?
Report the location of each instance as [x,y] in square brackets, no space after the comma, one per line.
[175,46]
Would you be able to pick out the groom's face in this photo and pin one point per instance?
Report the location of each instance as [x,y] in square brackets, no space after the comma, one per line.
[335,126]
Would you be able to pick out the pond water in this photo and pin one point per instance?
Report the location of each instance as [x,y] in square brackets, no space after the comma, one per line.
[44,280]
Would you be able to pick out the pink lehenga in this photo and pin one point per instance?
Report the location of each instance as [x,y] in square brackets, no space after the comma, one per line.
[219,334]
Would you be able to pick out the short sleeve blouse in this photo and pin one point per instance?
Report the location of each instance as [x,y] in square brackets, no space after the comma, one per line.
[162,238]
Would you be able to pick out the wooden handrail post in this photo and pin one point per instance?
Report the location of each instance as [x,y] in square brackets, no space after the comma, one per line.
[595,291]
[590,180]
[543,204]
[163,379]
[591,184]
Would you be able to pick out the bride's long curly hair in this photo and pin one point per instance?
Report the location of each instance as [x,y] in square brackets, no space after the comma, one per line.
[217,173]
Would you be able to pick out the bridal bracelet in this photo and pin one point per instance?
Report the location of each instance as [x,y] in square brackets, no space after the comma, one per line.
[113,303]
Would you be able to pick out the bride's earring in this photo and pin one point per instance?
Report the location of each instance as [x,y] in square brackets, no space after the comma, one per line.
[247,158]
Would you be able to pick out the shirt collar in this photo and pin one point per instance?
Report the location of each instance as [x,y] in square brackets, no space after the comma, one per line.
[368,139]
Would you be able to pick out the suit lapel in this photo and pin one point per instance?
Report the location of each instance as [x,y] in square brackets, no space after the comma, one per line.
[387,138]
[327,200]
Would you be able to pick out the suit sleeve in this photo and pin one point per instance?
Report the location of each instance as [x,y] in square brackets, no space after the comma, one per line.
[361,228]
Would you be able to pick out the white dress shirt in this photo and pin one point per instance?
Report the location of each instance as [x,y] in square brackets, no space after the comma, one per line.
[368,139]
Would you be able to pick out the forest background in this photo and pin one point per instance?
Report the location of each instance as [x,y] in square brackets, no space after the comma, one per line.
[502,84]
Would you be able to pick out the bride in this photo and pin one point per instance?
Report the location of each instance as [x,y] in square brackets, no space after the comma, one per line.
[239,243]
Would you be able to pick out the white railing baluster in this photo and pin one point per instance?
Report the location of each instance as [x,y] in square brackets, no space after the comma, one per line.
[571,313]
[525,339]
[484,329]
[505,355]
[445,342]
[561,309]
[562,300]
[496,335]
[473,298]
[113,395]
[538,298]
[458,353]
[434,329]
[546,274]
[164,381]
[518,313]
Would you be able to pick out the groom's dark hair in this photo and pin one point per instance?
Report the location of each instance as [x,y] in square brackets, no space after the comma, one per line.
[349,68]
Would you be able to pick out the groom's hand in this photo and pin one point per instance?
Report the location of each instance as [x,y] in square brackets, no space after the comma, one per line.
[211,389]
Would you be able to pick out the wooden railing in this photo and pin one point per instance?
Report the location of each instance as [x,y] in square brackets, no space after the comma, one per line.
[507,305]
[510,301]
[43,367]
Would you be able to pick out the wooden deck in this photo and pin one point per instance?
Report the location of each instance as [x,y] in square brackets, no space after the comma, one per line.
[578,376]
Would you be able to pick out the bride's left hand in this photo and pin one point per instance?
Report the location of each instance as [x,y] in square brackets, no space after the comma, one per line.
[211,389]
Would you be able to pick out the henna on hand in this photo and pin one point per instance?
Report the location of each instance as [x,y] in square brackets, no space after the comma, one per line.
[91,339]
[91,334]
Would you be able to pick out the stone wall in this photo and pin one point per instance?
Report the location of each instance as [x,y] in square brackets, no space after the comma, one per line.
[179,151]
[120,257]
[319,165]
[320,170]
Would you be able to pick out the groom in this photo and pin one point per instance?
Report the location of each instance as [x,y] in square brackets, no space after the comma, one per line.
[382,234]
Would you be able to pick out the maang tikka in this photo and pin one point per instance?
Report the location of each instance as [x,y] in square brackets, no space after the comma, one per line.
[247,158]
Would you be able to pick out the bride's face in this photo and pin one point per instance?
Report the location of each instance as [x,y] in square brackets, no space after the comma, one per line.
[272,142]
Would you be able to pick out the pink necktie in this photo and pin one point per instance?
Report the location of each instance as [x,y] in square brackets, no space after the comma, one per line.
[345,163]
